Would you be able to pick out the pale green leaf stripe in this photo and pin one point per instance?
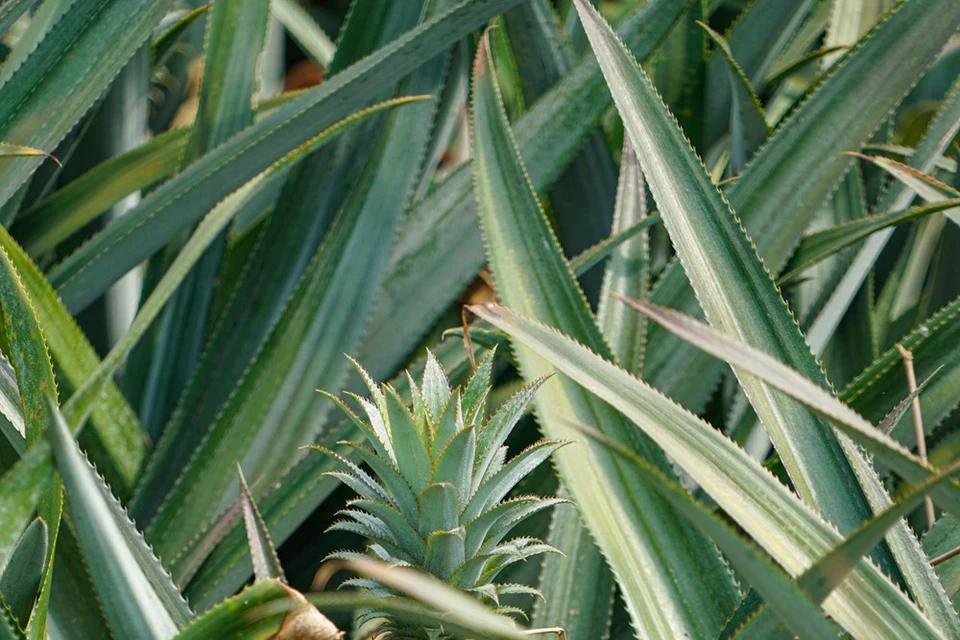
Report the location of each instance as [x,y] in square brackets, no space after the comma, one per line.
[849,19]
[731,283]
[914,564]
[826,242]
[305,32]
[115,439]
[66,73]
[183,200]
[797,611]
[803,156]
[628,271]
[138,596]
[867,604]
[671,578]
[11,425]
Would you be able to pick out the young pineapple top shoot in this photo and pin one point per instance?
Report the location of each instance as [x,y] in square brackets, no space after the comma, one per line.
[434,497]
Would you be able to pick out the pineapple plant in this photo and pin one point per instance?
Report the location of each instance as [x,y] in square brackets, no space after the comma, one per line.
[192,235]
[439,475]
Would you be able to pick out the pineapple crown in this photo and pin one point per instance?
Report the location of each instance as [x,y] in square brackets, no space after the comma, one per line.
[434,497]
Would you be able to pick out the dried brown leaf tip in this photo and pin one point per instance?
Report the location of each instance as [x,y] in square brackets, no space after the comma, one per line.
[305,622]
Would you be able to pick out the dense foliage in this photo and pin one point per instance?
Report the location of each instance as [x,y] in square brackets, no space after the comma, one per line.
[712,243]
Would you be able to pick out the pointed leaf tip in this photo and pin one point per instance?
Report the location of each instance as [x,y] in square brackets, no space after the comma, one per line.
[263,554]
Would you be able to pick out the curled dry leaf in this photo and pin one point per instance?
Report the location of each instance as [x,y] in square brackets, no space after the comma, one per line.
[305,622]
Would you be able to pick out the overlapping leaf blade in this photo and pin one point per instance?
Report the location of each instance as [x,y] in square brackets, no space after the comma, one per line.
[531,274]
[739,298]
[769,512]
[138,596]
[83,276]
[84,53]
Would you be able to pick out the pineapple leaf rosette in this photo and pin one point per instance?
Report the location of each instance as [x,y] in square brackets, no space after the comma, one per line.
[434,496]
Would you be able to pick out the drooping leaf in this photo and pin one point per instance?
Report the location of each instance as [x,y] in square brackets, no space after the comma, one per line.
[794,607]
[459,608]
[733,287]
[806,391]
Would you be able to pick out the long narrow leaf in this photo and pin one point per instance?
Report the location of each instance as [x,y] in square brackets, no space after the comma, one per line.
[867,605]
[84,275]
[67,72]
[139,598]
[531,274]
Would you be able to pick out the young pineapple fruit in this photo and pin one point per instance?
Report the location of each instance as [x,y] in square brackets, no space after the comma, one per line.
[434,499]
